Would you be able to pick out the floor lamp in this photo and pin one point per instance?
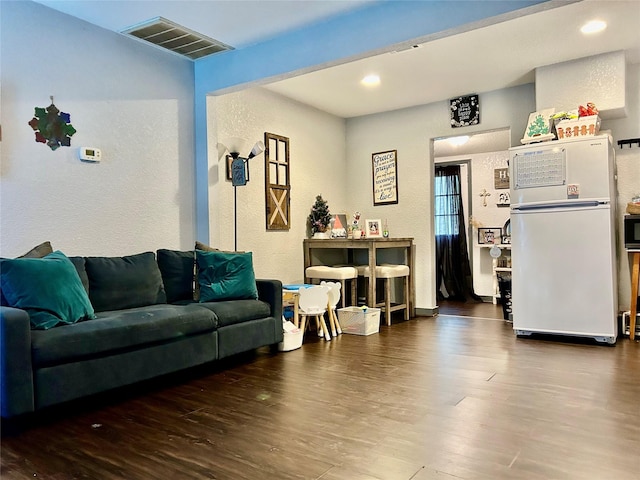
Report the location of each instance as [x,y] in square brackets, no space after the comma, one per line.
[239,178]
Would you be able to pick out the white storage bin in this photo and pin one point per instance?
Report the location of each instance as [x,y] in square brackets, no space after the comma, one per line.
[291,341]
[357,321]
[292,337]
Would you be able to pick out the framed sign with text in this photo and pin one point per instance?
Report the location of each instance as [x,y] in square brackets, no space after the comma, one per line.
[465,111]
[385,177]
[501,178]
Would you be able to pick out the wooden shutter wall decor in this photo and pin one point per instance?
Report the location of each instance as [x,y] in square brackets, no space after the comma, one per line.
[277,182]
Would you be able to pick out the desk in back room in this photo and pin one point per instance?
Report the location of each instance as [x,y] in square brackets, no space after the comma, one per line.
[371,245]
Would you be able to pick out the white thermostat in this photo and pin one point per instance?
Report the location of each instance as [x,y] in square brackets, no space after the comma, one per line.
[89,154]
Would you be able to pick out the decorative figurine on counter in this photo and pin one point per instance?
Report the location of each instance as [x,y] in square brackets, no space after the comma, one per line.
[385,229]
[356,230]
[587,111]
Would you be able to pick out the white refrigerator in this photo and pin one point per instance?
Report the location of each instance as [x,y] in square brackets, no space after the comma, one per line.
[563,237]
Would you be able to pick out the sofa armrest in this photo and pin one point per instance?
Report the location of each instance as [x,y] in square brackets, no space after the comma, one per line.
[16,371]
[270,291]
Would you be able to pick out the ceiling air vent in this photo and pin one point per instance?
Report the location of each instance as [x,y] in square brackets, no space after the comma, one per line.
[171,36]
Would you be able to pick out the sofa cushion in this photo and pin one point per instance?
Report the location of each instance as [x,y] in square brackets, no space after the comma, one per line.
[205,248]
[48,288]
[238,311]
[116,283]
[78,262]
[38,251]
[225,276]
[120,330]
[178,273]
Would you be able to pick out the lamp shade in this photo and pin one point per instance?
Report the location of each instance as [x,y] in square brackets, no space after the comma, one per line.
[234,144]
[257,149]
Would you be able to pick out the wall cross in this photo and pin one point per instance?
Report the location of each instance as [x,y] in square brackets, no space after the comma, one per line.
[484,194]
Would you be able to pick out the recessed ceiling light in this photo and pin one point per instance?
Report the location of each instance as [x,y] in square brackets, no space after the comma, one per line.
[594,26]
[371,80]
[458,141]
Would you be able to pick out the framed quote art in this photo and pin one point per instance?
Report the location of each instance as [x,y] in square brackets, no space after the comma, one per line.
[465,111]
[385,177]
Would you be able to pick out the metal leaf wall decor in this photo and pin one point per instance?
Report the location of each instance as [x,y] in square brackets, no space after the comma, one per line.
[52,126]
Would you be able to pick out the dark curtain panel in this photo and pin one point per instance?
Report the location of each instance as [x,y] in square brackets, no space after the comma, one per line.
[453,274]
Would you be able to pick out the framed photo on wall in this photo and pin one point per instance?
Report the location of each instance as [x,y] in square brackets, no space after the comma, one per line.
[489,235]
[373,228]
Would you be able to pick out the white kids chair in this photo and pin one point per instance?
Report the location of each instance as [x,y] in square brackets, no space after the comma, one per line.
[312,302]
[334,298]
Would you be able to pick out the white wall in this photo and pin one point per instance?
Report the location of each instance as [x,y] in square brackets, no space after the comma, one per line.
[317,166]
[410,131]
[132,101]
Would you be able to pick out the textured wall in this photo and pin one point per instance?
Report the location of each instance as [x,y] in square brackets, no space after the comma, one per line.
[133,102]
[317,156]
[599,79]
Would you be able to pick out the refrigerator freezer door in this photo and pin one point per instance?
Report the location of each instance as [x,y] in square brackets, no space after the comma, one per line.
[563,172]
[563,272]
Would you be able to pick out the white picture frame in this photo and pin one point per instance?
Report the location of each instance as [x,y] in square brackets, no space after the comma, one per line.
[373,228]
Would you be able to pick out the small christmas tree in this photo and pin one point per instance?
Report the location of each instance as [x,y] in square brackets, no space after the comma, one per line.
[319,218]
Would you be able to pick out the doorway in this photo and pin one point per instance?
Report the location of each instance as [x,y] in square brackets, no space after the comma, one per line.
[475,157]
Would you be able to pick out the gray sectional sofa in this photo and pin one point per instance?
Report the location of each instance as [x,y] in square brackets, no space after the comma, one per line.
[146,324]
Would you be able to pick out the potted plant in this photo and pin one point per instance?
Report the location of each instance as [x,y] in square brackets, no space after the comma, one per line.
[320,218]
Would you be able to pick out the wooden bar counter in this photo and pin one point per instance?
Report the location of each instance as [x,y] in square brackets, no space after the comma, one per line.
[372,245]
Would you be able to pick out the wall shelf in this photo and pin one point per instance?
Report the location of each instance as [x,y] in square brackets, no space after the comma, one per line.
[629,142]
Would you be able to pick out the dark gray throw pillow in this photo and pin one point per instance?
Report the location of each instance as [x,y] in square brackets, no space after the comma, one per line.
[178,273]
[78,262]
[116,283]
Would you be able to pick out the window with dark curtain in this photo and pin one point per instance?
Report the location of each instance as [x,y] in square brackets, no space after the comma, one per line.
[453,270]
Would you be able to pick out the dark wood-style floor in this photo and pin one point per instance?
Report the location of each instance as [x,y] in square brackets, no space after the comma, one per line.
[449,397]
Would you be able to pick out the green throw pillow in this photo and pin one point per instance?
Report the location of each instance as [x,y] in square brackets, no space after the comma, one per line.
[48,288]
[225,276]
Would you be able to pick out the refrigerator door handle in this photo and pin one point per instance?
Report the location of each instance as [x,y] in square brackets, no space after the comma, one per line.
[564,205]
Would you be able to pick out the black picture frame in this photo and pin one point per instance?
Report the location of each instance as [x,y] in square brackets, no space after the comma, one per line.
[465,111]
[488,236]
[384,168]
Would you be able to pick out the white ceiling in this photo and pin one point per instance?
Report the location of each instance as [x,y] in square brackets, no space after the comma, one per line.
[480,60]
[238,23]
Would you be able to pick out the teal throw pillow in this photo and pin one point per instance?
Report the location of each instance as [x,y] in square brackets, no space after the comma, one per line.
[225,276]
[48,288]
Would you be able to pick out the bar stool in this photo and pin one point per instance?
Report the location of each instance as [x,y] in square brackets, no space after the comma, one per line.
[341,274]
[387,272]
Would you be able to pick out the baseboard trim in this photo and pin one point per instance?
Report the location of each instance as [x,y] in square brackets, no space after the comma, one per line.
[426,312]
